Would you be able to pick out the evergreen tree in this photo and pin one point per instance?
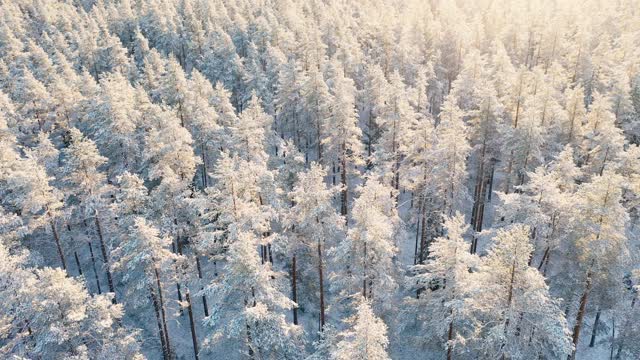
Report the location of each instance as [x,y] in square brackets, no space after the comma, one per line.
[365,339]
[510,305]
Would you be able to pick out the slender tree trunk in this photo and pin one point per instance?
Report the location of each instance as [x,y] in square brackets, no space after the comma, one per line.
[594,331]
[613,337]
[105,258]
[418,216]
[479,195]
[156,308]
[449,338]
[509,300]
[319,138]
[321,280]
[344,193]
[364,271]
[250,343]
[75,255]
[294,289]
[162,309]
[507,183]
[489,191]
[194,337]
[204,297]
[580,316]
[624,327]
[204,168]
[333,173]
[423,235]
[95,269]
[178,250]
[544,258]
[56,237]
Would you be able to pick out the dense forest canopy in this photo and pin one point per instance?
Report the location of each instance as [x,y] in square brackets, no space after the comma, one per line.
[319,179]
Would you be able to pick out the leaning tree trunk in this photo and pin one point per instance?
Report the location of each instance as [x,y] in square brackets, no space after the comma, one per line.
[580,316]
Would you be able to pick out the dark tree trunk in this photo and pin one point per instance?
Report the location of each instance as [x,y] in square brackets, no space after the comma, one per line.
[156,308]
[364,274]
[423,235]
[105,258]
[594,331]
[56,237]
[544,258]
[204,168]
[204,297]
[491,176]
[162,310]
[509,300]
[321,280]
[344,194]
[194,338]
[178,288]
[415,250]
[95,269]
[624,327]
[294,290]
[613,337]
[75,255]
[449,338]
[580,316]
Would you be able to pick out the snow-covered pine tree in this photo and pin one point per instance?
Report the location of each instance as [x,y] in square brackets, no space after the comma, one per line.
[364,261]
[509,304]
[312,226]
[342,144]
[50,315]
[441,284]
[366,337]
[248,306]
[82,163]
[140,260]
